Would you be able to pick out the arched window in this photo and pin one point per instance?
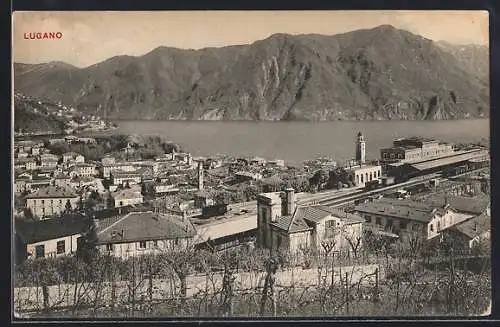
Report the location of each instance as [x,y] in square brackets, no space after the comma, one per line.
[357,179]
[371,176]
[366,177]
[362,179]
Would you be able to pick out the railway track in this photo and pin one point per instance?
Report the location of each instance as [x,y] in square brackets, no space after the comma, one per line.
[342,199]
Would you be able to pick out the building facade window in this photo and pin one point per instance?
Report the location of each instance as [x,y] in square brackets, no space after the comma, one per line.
[40,251]
[80,241]
[263,214]
[368,219]
[402,224]
[109,247]
[378,221]
[61,247]
[142,245]
[330,228]
[432,227]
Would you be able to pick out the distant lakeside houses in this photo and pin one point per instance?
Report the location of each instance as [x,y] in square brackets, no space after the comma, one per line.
[74,120]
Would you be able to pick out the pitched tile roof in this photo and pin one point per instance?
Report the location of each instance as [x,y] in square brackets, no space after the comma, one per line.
[398,209]
[85,164]
[125,174]
[314,213]
[53,192]
[295,223]
[49,229]
[62,176]
[305,217]
[142,226]
[71,154]
[348,217]
[127,194]
[24,160]
[475,226]
[475,205]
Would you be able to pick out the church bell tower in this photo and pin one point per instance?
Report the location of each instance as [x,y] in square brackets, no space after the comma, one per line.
[360,149]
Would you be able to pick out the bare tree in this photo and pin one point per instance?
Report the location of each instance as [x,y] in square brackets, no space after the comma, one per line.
[269,291]
[354,240]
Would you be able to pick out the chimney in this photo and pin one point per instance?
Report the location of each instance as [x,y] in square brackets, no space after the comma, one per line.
[288,203]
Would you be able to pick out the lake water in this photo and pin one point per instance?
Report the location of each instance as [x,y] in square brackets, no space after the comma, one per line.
[298,141]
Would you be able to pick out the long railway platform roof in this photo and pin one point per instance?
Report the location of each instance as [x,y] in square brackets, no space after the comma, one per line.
[425,165]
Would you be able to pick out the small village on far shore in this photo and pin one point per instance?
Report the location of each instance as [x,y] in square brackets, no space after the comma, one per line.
[73,120]
[128,197]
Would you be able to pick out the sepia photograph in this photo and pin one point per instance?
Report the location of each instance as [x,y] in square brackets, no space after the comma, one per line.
[250,164]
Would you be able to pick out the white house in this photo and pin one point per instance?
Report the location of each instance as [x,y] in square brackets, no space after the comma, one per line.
[126,197]
[51,200]
[51,237]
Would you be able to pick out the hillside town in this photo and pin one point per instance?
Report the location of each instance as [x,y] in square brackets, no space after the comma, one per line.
[70,119]
[143,197]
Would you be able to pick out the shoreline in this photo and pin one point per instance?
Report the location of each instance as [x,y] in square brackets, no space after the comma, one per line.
[266,121]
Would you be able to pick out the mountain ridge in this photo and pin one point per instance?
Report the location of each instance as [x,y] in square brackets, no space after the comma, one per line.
[379,73]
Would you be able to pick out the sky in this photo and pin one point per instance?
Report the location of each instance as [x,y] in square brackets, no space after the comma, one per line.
[91,37]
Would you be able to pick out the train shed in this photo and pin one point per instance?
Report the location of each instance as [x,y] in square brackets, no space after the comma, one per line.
[460,162]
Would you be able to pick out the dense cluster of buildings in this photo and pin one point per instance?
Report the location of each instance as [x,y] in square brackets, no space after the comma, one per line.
[115,201]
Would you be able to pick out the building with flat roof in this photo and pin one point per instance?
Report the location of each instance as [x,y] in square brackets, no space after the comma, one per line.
[363,174]
[412,149]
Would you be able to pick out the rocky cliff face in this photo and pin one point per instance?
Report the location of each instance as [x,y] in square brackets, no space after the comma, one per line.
[380,73]
[473,58]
